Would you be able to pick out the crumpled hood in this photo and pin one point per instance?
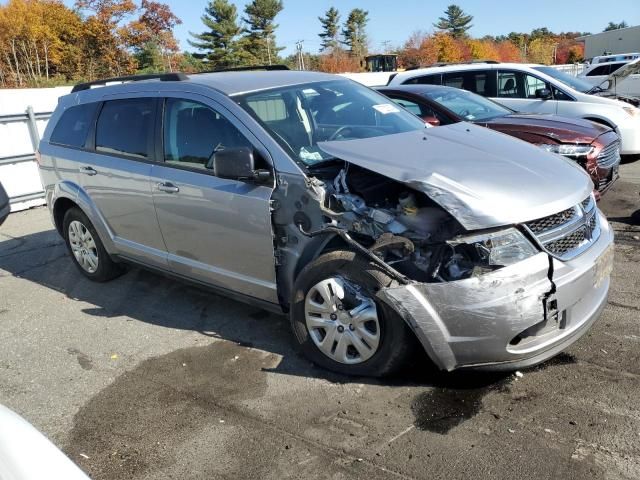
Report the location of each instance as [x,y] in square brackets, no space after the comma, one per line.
[556,128]
[482,178]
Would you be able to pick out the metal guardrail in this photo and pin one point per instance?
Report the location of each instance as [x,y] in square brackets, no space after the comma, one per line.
[30,118]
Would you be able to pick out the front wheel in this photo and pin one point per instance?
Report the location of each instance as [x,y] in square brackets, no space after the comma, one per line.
[341,325]
[86,248]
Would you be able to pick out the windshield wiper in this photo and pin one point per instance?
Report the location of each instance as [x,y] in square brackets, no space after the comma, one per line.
[596,89]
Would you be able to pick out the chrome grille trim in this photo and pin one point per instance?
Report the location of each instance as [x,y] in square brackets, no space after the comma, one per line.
[609,155]
[572,236]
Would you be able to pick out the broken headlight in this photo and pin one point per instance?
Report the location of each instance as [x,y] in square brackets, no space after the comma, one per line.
[475,255]
[568,150]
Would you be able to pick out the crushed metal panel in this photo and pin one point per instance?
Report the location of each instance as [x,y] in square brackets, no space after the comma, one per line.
[476,317]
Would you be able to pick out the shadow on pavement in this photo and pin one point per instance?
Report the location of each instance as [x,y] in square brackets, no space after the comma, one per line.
[148,297]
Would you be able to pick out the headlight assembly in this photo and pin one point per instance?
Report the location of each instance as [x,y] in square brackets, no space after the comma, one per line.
[568,150]
[475,255]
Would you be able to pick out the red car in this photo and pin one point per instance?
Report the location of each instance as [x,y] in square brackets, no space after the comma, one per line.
[595,147]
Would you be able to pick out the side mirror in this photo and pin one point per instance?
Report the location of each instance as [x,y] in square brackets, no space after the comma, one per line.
[543,94]
[431,120]
[237,164]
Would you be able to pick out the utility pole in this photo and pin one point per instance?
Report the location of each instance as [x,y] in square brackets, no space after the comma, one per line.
[299,44]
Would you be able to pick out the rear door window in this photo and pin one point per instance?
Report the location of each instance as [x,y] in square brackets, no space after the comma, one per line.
[435,79]
[74,125]
[601,70]
[511,84]
[125,127]
[481,82]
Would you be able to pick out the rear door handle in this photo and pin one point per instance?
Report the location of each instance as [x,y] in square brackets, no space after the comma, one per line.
[88,171]
[167,187]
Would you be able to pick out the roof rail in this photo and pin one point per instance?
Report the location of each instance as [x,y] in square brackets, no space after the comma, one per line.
[446,64]
[268,68]
[163,77]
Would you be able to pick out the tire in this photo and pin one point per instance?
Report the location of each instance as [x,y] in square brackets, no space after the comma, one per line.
[395,341]
[93,261]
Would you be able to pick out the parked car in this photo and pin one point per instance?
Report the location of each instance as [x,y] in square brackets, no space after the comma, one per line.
[537,89]
[594,147]
[312,195]
[26,454]
[617,77]
[4,205]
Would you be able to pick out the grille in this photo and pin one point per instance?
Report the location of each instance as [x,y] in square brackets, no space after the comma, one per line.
[587,203]
[609,155]
[568,233]
[552,221]
[566,244]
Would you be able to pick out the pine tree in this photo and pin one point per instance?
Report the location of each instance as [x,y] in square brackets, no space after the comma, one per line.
[455,22]
[260,42]
[220,42]
[330,29]
[615,26]
[354,32]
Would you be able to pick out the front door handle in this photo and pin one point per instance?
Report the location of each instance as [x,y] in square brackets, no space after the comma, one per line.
[167,187]
[88,171]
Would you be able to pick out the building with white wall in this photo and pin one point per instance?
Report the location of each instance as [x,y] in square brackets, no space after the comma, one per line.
[624,40]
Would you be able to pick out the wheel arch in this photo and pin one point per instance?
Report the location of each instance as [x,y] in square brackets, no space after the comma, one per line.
[602,121]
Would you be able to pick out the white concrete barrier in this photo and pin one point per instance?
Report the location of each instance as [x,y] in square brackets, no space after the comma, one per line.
[24,114]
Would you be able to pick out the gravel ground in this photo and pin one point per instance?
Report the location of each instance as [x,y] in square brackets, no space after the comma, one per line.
[148,378]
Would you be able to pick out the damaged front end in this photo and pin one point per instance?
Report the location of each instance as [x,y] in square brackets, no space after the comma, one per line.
[473,298]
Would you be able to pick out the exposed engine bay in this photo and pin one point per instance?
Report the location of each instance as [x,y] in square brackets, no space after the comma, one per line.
[402,227]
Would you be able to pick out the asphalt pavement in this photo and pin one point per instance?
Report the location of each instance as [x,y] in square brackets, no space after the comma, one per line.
[148,378]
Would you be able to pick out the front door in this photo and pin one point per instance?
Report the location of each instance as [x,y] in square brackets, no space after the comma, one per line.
[517,90]
[216,230]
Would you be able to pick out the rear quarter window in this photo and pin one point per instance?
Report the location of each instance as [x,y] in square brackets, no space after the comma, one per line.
[74,125]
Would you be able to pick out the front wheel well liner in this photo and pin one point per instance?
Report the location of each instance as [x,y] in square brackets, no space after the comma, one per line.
[60,208]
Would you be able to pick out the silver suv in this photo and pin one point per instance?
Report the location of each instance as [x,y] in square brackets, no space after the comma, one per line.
[312,195]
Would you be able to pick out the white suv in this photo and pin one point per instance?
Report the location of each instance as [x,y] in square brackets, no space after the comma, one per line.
[536,89]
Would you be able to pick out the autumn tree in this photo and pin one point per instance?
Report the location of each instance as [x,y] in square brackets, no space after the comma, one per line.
[354,32]
[508,51]
[104,48]
[219,43]
[455,22]
[260,41]
[483,50]
[330,29]
[150,36]
[540,50]
[38,42]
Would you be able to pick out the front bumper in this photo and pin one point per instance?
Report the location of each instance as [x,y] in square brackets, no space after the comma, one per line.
[514,317]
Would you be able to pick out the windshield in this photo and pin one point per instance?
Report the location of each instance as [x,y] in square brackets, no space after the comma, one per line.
[301,116]
[571,81]
[467,105]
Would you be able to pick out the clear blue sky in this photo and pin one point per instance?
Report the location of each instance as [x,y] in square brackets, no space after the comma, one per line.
[396,20]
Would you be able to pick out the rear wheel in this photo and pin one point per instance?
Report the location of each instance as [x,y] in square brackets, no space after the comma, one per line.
[341,325]
[86,248]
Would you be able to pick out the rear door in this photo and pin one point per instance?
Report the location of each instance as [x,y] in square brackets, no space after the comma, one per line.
[216,230]
[517,90]
[115,175]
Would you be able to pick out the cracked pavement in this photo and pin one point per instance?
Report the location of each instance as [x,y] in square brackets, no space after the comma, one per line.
[146,378]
